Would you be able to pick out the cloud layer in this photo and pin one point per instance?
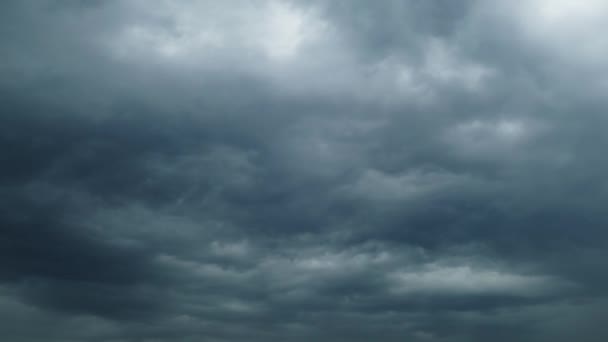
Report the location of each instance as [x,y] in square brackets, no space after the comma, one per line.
[302,171]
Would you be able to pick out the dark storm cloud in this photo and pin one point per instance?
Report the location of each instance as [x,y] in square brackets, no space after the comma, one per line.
[331,171]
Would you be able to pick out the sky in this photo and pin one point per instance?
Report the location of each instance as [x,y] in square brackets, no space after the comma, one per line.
[227,171]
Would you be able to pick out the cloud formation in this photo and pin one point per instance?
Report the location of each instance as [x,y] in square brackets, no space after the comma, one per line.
[302,170]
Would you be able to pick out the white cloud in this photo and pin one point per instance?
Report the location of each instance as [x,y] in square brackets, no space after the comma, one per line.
[288,29]
[567,34]
[197,33]
[467,280]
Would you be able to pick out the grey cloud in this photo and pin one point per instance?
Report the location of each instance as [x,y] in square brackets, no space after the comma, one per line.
[301,171]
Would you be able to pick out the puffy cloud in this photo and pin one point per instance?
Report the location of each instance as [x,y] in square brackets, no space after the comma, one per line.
[290,170]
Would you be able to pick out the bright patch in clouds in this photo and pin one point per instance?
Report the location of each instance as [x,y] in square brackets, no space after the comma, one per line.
[502,130]
[287,29]
[444,65]
[572,31]
[564,12]
[493,138]
[467,280]
[378,186]
[274,29]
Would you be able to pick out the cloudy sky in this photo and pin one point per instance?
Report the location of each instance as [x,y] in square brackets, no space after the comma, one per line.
[227,171]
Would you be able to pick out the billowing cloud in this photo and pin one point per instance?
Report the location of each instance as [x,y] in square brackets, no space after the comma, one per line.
[302,171]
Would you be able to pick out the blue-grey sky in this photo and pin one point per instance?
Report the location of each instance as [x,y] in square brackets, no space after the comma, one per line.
[227,171]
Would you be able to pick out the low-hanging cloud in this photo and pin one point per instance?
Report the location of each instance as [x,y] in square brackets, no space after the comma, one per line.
[297,171]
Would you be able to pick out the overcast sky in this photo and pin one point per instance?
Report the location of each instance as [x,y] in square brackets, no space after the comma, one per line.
[231,171]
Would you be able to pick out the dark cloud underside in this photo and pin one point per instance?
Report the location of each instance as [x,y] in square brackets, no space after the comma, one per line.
[303,171]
